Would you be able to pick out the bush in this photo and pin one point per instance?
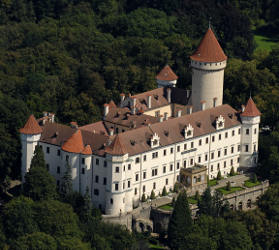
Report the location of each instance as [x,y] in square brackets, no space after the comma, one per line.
[232,173]
[197,195]
[254,178]
[152,196]
[173,201]
[164,192]
[228,187]
[143,198]
[219,176]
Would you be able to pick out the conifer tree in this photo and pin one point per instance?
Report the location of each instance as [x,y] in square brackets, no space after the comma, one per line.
[254,178]
[197,195]
[232,173]
[39,184]
[164,192]
[67,185]
[205,203]
[152,196]
[219,176]
[87,207]
[143,198]
[228,187]
[180,222]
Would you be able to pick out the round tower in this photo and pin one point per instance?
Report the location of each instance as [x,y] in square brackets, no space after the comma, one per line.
[208,64]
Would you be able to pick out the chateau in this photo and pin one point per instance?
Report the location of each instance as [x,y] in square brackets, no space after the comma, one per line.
[141,144]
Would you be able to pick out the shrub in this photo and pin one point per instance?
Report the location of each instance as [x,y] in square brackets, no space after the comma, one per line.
[152,195]
[219,176]
[164,192]
[232,173]
[228,187]
[197,195]
[254,178]
[143,198]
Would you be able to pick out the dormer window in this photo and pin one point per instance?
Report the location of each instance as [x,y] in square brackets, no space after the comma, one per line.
[220,122]
[188,131]
[155,140]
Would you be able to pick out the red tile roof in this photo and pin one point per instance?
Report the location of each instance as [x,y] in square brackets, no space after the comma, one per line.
[96,127]
[74,144]
[117,146]
[166,74]
[31,127]
[112,104]
[251,109]
[209,49]
[87,150]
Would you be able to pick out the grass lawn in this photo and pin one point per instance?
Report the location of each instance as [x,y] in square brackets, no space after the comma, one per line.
[192,200]
[167,207]
[212,182]
[224,191]
[265,42]
[249,183]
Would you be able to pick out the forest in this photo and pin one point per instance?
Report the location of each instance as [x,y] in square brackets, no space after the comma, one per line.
[69,57]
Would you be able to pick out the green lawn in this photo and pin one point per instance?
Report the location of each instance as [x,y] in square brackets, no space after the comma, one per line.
[264,42]
[212,182]
[249,183]
[224,191]
[192,200]
[167,207]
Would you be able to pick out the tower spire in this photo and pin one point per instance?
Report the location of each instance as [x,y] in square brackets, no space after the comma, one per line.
[209,23]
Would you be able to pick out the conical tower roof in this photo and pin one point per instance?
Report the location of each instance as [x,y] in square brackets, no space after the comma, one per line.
[74,144]
[87,150]
[117,146]
[166,74]
[209,49]
[251,109]
[31,127]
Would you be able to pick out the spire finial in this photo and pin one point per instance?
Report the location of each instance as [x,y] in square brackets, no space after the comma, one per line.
[250,93]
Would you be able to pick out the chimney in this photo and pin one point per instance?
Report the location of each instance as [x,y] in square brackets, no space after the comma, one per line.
[106,109]
[188,93]
[242,108]
[149,101]
[51,117]
[161,118]
[179,113]
[44,113]
[169,95]
[111,131]
[122,98]
[214,102]
[203,105]
[134,100]
[190,109]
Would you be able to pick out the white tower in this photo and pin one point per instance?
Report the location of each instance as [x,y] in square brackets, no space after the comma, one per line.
[30,135]
[166,77]
[250,118]
[208,64]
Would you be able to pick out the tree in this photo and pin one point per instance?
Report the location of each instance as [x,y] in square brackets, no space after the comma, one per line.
[232,173]
[143,198]
[228,186]
[197,196]
[219,176]
[205,203]
[180,222]
[164,192]
[38,159]
[254,178]
[152,196]
[72,243]
[34,241]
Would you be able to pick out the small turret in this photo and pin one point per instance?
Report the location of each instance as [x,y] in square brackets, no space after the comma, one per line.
[166,77]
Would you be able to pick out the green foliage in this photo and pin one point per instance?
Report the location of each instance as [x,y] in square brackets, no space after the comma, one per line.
[180,222]
[152,195]
[143,198]
[232,173]
[197,195]
[34,241]
[72,243]
[164,192]
[228,186]
[219,176]
[38,159]
[254,178]
[67,186]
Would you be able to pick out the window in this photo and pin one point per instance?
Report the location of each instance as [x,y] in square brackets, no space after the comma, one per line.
[233,133]
[220,137]
[137,160]
[154,155]
[185,146]
[213,138]
[226,135]
[154,172]
[178,148]
[97,161]
[116,169]
[47,150]
[58,152]
[205,157]
[105,181]
[231,162]
[83,170]
[96,178]
[218,166]
[129,166]
[144,175]
[47,166]
[124,168]
[129,184]
[225,164]
[177,165]
[232,149]
[137,177]
[144,158]
[239,131]
[111,201]
[255,148]
[225,151]
[58,170]
[200,142]
[82,161]
[247,131]
[192,161]
[199,159]
[116,186]
[123,185]
[171,167]
[238,148]
[164,169]
[219,153]
[171,150]
[184,163]
[67,158]
[96,191]
[58,183]
[255,131]
[165,152]
[246,148]
[206,140]
[167,181]
[136,191]
[157,113]
[143,188]
[154,185]
[192,144]
[211,168]
[116,130]
[212,155]
[238,159]
[105,164]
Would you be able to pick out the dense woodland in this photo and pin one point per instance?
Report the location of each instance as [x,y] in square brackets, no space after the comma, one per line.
[71,56]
